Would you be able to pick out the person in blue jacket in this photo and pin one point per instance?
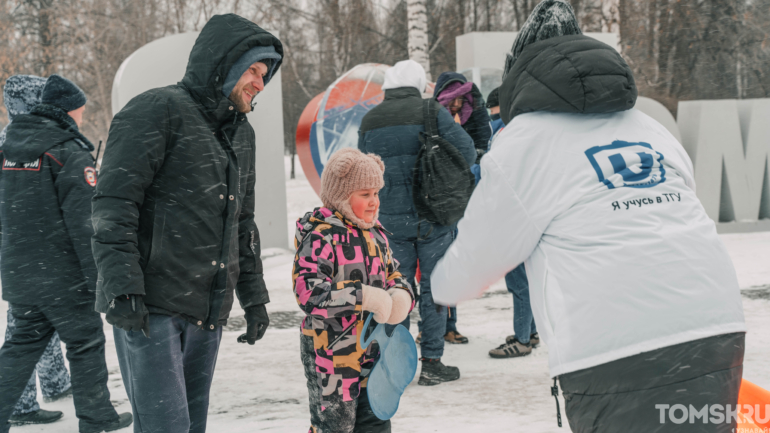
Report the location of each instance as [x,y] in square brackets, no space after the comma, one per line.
[391,130]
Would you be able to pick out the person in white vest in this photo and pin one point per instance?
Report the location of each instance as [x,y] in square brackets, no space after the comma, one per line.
[632,290]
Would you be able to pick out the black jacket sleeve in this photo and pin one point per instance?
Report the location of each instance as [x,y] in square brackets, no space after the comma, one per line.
[133,155]
[480,130]
[251,289]
[75,192]
[455,134]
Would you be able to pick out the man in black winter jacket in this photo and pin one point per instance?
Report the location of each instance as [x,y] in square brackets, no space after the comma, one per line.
[174,219]
[46,184]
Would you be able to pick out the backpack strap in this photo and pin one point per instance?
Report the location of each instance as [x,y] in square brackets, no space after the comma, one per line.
[429,115]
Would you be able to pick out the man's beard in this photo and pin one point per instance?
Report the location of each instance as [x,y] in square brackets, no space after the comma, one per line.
[237,99]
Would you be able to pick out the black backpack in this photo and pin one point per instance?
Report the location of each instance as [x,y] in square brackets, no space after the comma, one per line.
[442,181]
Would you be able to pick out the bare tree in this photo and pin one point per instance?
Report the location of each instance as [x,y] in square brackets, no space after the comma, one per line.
[417,20]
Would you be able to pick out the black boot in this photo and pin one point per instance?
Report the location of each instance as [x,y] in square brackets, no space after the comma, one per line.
[64,394]
[124,420]
[434,372]
[39,416]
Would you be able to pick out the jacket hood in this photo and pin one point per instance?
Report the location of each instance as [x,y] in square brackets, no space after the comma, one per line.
[448,78]
[569,74]
[223,40]
[31,135]
[406,73]
[321,215]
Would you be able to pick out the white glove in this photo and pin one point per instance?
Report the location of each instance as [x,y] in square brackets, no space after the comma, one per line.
[402,303]
[377,301]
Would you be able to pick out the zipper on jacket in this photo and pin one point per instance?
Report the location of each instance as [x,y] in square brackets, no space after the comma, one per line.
[555,394]
[344,333]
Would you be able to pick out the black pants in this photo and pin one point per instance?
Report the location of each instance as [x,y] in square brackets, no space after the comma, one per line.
[654,391]
[80,328]
[168,376]
[354,416]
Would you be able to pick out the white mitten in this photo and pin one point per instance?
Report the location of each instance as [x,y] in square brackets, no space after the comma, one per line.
[377,301]
[402,302]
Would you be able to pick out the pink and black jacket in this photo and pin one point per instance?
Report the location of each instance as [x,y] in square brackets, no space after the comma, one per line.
[334,258]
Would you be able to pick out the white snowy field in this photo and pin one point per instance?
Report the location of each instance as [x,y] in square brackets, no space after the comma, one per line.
[262,387]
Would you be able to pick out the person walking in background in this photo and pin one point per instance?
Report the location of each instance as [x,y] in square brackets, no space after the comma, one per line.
[391,130]
[175,234]
[46,184]
[493,104]
[20,94]
[525,337]
[466,105]
[338,288]
[599,199]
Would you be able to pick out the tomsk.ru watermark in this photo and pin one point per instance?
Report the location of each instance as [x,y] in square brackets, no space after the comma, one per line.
[714,414]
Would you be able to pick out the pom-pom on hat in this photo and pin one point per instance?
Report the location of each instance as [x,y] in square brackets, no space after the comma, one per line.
[347,171]
[63,93]
[549,19]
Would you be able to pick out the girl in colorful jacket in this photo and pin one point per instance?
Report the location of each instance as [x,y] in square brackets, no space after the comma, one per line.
[343,271]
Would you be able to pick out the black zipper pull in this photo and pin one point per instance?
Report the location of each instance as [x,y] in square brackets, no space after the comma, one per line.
[555,394]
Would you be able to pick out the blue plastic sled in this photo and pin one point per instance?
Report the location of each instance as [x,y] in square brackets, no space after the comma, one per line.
[393,372]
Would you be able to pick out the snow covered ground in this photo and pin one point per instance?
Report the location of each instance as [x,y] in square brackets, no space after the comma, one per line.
[262,387]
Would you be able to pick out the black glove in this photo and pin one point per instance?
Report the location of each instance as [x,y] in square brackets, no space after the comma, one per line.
[256,324]
[129,313]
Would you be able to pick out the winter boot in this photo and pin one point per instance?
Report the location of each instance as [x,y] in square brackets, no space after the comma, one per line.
[124,420]
[534,339]
[434,372]
[454,337]
[39,416]
[62,395]
[511,349]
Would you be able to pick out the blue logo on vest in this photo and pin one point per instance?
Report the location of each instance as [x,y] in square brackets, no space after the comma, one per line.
[633,165]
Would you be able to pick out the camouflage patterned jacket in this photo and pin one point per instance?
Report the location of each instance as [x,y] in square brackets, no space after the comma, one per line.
[334,258]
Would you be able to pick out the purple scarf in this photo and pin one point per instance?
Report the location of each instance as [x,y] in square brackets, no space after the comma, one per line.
[456,90]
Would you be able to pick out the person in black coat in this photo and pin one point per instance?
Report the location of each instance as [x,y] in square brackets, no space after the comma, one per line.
[466,105]
[465,102]
[175,238]
[46,184]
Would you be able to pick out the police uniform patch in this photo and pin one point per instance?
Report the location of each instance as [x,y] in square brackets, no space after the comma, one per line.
[91,176]
[27,166]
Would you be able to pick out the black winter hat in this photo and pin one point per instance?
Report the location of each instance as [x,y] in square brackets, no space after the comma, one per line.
[63,93]
[493,100]
[549,19]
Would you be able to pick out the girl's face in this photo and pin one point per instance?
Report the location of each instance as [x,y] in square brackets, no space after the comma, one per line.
[456,105]
[365,203]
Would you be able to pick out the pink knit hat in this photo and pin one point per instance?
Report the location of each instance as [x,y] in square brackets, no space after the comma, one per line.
[347,171]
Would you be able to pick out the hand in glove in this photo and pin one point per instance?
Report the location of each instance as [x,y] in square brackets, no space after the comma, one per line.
[256,324]
[129,313]
[377,301]
[402,303]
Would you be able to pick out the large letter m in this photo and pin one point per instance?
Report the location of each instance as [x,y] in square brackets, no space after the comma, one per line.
[729,143]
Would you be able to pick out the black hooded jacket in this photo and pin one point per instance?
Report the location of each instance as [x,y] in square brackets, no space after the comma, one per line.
[478,125]
[46,185]
[174,208]
[567,74]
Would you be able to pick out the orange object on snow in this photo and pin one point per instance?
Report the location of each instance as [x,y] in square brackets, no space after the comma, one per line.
[754,408]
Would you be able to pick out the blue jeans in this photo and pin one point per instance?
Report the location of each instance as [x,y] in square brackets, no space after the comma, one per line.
[407,250]
[523,322]
[54,377]
[168,376]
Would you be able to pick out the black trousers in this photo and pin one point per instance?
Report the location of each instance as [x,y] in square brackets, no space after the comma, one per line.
[80,328]
[664,390]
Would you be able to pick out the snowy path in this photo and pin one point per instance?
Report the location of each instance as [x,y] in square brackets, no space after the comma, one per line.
[261,387]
